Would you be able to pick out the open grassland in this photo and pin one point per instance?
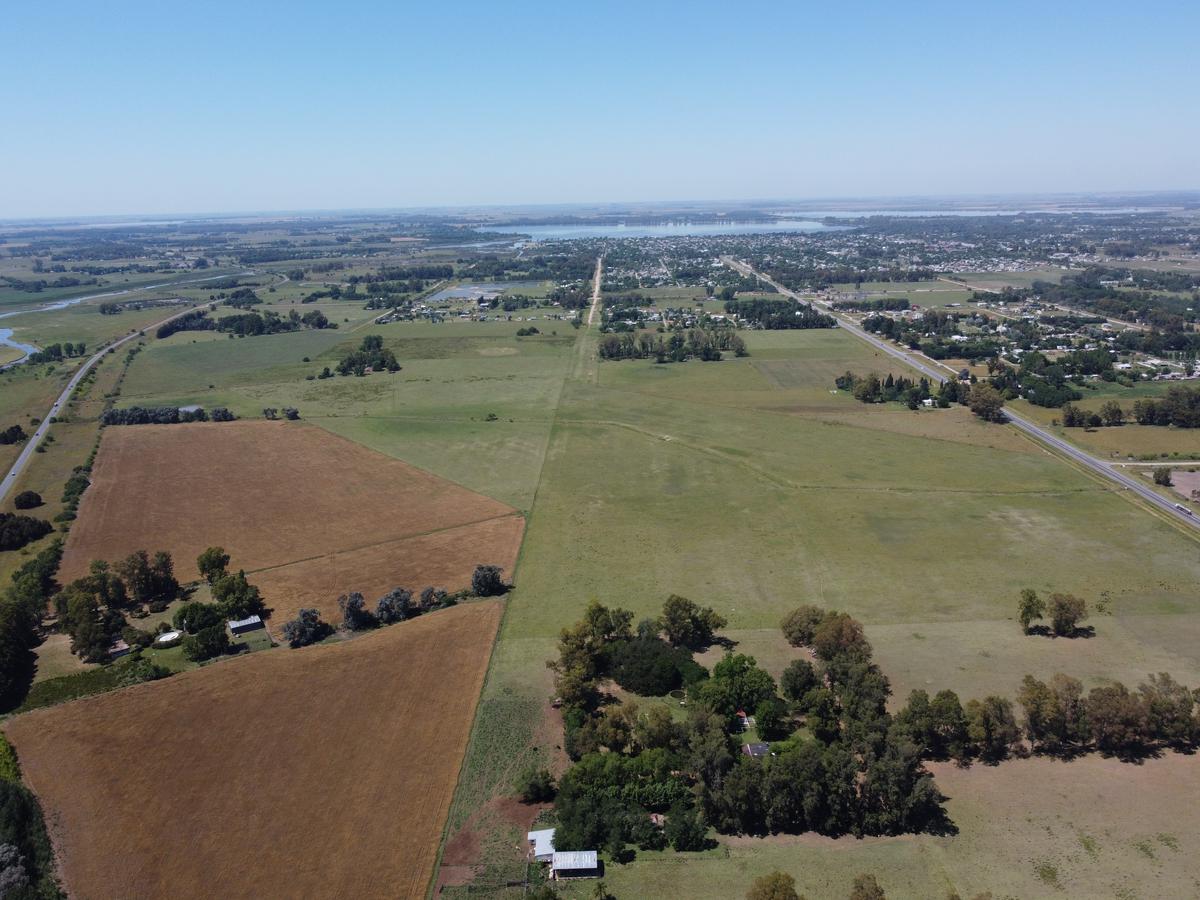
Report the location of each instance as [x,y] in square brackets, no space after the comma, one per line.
[472,403]
[748,485]
[997,281]
[204,784]
[284,496]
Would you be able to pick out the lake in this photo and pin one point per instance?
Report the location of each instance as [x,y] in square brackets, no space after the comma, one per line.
[666,229]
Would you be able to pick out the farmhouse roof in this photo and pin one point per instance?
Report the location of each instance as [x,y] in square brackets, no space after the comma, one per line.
[249,621]
[571,860]
[543,843]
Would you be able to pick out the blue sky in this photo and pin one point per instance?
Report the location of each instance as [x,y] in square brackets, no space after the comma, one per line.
[116,108]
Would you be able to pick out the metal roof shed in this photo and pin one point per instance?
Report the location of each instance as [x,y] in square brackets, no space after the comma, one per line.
[574,864]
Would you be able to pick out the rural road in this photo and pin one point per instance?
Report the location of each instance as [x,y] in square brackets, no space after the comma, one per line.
[32,444]
[591,319]
[1065,448]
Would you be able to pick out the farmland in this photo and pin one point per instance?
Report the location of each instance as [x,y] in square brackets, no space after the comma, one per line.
[223,745]
[287,501]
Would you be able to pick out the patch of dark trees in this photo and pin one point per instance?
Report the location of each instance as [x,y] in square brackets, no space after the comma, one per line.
[772,314]
[163,415]
[371,354]
[13,434]
[57,353]
[847,771]
[874,305]
[17,530]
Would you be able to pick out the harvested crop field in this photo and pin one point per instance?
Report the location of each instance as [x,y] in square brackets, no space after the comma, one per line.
[307,514]
[204,785]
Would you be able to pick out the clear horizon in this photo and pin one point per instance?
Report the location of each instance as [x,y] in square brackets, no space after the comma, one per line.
[136,109]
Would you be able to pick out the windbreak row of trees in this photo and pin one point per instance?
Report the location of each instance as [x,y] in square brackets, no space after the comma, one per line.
[699,343]
[58,352]
[163,415]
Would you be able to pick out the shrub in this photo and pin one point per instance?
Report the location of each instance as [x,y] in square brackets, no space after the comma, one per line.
[536,785]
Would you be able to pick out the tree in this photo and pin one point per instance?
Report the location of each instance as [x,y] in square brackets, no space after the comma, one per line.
[986,402]
[1029,608]
[838,633]
[487,582]
[306,628]
[685,829]
[1162,476]
[1111,413]
[798,679]
[991,727]
[27,500]
[687,625]
[800,624]
[212,563]
[867,888]
[206,643]
[238,597]
[775,886]
[355,615]
[1118,719]
[1066,611]
[394,606]
[1169,708]
[196,616]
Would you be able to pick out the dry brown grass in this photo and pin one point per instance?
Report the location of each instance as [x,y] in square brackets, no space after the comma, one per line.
[308,514]
[324,772]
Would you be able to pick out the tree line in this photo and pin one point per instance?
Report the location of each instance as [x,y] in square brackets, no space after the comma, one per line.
[397,605]
[163,415]
[697,343]
[57,352]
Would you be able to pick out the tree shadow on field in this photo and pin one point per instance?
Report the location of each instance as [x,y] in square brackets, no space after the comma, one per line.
[1079,631]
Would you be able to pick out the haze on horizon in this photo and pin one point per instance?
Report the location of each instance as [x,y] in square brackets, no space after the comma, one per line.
[138,108]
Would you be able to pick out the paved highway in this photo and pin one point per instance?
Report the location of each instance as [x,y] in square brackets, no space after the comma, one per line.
[32,444]
[938,373]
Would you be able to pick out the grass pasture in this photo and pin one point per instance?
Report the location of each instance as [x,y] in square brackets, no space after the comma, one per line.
[747,485]
[314,803]
[308,515]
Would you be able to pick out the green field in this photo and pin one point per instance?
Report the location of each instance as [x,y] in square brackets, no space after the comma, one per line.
[747,485]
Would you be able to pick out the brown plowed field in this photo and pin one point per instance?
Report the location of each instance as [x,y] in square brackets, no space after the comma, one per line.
[323,772]
[307,514]
[442,559]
